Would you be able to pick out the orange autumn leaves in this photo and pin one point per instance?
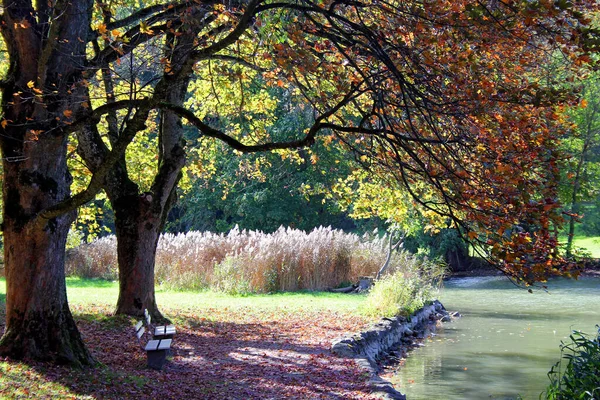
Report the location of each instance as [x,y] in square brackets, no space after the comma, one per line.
[454,96]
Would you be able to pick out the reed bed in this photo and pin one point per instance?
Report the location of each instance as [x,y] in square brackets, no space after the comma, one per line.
[251,261]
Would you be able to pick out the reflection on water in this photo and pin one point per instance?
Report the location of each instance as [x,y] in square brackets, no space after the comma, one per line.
[505,343]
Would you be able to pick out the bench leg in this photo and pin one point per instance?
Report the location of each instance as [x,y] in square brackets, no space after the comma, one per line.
[157,359]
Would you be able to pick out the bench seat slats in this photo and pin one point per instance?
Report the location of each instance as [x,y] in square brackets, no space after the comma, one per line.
[164,344]
[157,349]
[163,330]
[154,345]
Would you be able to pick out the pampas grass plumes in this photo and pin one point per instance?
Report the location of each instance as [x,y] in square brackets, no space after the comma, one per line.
[249,261]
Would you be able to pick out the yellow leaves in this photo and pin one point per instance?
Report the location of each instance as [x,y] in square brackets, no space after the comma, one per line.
[223,18]
[144,28]
[31,85]
[327,140]
[4,123]
[24,24]
[583,103]
[34,134]
[431,229]
[103,31]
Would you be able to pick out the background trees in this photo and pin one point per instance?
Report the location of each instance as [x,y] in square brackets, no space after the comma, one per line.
[581,172]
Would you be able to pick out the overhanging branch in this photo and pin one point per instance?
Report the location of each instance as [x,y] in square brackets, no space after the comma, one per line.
[209,131]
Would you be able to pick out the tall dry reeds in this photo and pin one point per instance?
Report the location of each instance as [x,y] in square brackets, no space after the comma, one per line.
[249,261]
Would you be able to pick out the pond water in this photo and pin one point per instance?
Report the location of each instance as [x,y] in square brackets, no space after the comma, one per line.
[505,343]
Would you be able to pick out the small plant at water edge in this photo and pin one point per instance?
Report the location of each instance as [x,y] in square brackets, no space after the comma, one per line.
[580,379]
[404,291]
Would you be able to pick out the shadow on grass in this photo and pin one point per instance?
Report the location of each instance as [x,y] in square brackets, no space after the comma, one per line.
[212,360]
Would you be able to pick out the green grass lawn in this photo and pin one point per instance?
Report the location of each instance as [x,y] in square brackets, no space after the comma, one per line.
[86,293]
[590,244]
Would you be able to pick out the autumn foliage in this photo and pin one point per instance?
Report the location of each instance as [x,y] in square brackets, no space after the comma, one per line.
[452,100]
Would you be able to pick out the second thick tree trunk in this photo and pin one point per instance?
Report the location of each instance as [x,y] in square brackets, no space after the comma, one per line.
[140,218]
[138,230]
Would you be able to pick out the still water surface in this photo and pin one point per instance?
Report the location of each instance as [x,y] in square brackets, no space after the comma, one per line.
[504,344]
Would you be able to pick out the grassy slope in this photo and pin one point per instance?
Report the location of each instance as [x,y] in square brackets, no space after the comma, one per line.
[201,317]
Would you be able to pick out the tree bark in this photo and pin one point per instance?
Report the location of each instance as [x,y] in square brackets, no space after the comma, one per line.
[41,93]
[391,248]
[140,218]
[137,231]
[39,324]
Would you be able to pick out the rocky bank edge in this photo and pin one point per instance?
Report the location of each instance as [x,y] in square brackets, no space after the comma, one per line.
[369,346]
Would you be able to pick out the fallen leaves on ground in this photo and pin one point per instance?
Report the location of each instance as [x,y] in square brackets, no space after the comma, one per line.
[216,354]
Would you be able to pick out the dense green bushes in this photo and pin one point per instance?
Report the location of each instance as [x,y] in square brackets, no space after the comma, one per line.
[580,379]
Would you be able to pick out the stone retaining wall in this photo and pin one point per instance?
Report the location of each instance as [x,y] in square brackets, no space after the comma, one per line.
[369,346]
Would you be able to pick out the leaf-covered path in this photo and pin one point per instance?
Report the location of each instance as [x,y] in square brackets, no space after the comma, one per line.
[218,354]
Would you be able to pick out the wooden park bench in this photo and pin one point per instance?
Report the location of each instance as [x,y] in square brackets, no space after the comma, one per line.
[156,349]
[159,332]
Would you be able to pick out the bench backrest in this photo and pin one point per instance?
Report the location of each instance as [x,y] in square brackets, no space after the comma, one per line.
[139,332]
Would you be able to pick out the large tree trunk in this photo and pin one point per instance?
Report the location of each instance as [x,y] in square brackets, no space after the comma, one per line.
[138,230]
[41,93]
[140,216]
[140,219]
[39,324]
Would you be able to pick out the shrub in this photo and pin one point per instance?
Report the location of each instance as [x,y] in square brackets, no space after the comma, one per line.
[405,289]
[581,377]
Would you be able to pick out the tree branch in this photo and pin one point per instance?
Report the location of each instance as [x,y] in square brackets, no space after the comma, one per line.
[234,35]
[136,124]
[209,131]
